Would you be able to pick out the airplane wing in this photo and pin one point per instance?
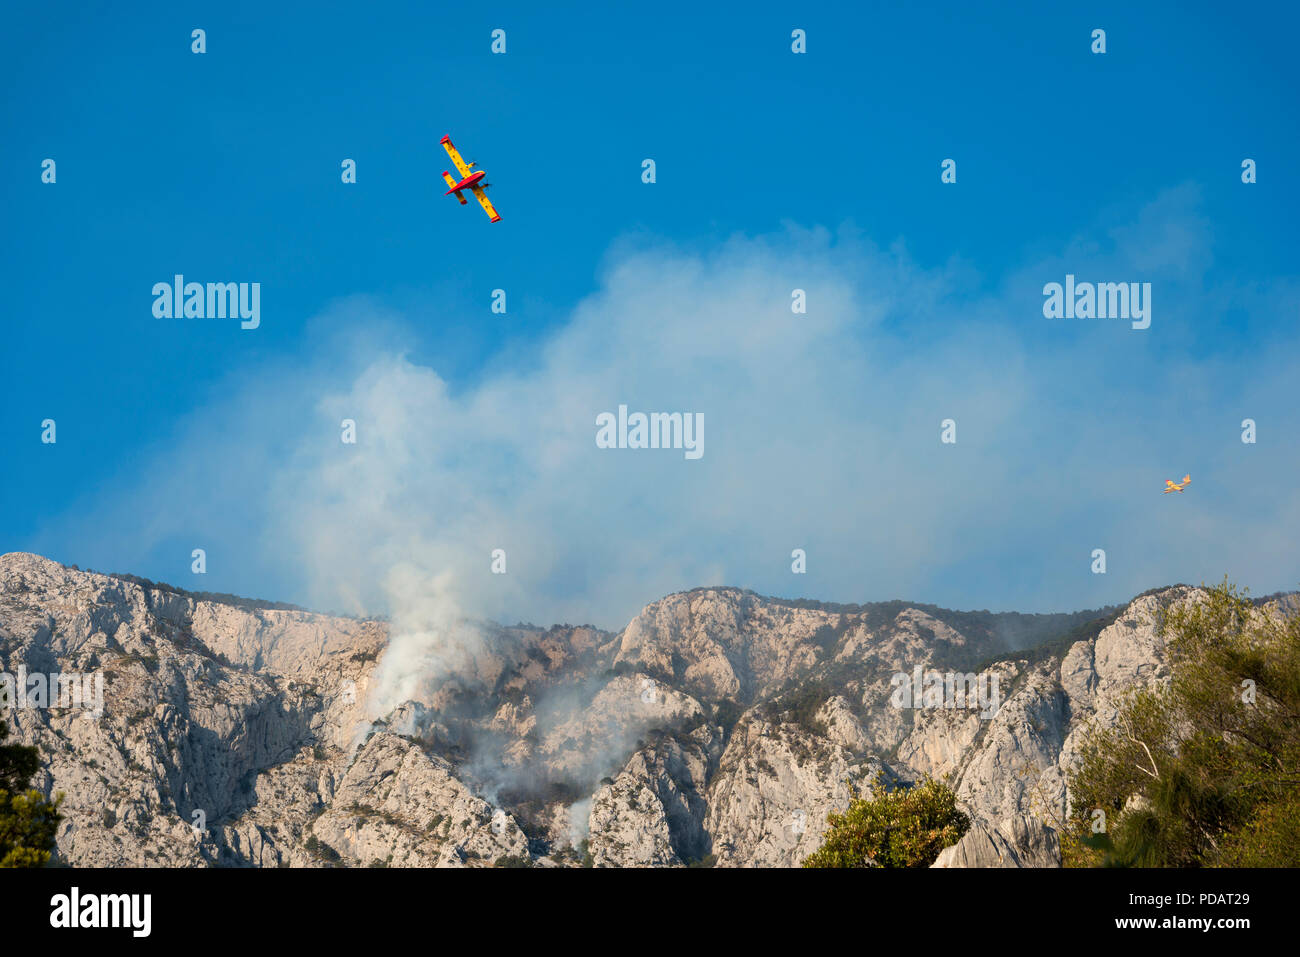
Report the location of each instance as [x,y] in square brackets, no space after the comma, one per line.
[459,163]
[1169,483]
[486,203]
[451,181]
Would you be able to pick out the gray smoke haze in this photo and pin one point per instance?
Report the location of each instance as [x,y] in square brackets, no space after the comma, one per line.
[822,433]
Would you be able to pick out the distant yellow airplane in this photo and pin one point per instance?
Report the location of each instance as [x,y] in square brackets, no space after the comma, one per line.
[1172,486]
[470,180]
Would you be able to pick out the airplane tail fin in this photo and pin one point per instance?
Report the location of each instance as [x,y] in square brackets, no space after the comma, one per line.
[1186,479]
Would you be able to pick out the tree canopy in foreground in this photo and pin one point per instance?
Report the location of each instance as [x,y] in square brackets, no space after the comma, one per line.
[1205,770]
[907,827]
[28,820]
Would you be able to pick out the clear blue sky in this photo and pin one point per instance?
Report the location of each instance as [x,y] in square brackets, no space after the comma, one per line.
[225,166]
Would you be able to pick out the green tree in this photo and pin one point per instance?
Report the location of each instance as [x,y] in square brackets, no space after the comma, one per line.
[1204,771]
[907,827]
[27,820]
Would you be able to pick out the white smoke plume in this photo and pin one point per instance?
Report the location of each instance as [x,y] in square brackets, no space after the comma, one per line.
[822,433]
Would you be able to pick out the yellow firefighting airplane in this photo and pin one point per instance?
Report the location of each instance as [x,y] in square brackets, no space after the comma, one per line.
[469,180]
[1172,486]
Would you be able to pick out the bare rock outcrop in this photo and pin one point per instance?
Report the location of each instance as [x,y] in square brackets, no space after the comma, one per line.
[718,728]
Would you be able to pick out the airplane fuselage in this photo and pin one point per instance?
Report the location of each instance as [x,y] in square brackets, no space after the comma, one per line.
[468,182]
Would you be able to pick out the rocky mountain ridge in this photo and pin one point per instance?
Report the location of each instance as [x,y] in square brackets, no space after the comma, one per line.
[719,728]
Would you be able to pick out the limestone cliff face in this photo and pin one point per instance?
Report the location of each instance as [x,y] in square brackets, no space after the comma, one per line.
[719,727]
[198,701]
